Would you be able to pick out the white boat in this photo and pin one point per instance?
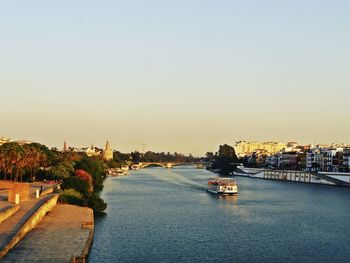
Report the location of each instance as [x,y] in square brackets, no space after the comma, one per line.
[125,167]
[225,186]
[135,167]
[117,172]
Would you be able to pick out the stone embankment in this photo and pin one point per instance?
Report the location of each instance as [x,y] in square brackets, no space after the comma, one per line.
[29,214]
[39,230]
[8,211]
[64,235]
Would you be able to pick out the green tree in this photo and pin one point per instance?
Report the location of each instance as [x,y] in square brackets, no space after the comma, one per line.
[96,203]
[97,168]
[136,157]
[225,160]
[62,170]
[209,156]
[76,183]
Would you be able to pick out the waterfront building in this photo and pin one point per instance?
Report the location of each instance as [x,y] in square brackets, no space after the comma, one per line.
[328,160]
[310,161]
[289,160]
[272,161]
[314,161]
[244,148]
[318,157]
[346,163]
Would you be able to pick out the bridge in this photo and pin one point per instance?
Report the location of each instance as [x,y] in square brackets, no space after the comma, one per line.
[170,164]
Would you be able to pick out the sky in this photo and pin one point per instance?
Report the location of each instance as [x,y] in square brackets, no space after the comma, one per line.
[182,76]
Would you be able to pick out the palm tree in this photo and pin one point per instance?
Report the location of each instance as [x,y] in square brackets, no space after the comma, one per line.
[12,153]
[2,161]
[7,163]
[35,158]
[15,159]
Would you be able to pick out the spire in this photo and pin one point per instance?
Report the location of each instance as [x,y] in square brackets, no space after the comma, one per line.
[107,153]
[65,148]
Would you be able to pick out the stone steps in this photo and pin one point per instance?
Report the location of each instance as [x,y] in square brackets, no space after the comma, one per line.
[15,227]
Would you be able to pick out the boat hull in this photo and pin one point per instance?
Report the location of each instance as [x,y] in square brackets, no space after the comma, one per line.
[222,193]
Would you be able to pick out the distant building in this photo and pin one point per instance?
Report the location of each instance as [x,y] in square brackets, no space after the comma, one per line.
[346,162]
[243,148]
[108,152]
[92,151]
[289,160]
[4,140]
[23,142]
[65,148]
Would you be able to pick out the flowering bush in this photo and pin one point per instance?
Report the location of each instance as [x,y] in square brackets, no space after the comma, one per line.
[85,176]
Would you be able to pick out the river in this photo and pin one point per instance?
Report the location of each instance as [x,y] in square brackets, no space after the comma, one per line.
[166,215]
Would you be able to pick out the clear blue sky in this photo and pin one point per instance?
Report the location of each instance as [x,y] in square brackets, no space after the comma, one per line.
[176,75]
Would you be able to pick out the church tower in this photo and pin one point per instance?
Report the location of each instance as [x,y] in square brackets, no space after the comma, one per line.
[65,148]
[108,152]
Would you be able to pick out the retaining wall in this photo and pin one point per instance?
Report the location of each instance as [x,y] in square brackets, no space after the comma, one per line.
[30,224]
[88,243]
[7,212]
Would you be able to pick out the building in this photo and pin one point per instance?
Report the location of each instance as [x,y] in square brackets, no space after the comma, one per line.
[4,140]
[108,152]
[310,161]
[289,160]
[92,151]
[329,155]
[23,142]
[243,148]
[272,161]
[346,163]
[65,147]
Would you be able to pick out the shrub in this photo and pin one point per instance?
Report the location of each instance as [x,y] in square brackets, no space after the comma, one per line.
[85,176]
[94,167]
[96,203]
[76,183]
[70,196]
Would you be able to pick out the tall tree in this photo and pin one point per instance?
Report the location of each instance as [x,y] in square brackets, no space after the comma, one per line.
[225,160]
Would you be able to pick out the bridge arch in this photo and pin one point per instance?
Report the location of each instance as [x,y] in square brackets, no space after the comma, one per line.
[153,164]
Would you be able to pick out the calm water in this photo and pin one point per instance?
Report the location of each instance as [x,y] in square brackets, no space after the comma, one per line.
[166,215]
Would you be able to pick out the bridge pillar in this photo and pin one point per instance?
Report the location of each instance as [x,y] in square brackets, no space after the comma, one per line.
[169,165]
[200,166]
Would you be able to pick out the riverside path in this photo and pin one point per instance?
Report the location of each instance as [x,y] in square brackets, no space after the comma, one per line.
[66,231]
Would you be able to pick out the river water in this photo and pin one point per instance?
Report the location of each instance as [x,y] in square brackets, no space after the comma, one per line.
[166,215]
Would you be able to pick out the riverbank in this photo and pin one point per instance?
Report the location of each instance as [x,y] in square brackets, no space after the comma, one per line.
[66,232]
[323,178]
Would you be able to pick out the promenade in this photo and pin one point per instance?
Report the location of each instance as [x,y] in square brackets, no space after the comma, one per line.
[67,227]
[10,226]
[64,232]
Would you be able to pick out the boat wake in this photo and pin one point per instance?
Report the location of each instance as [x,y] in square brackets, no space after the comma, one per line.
[179,180]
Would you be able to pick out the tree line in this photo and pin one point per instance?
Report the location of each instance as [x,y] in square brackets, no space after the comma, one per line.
[81,177]
[149,156]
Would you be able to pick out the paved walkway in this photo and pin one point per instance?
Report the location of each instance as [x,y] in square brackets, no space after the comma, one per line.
[11,225]
[56,238]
